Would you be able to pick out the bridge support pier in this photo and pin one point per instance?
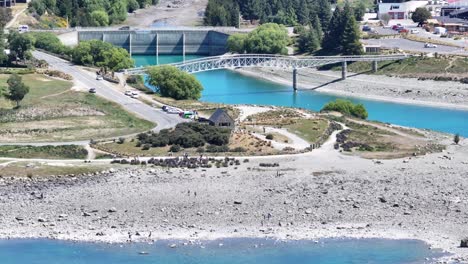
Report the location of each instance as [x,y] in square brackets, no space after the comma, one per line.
[157,49]
[183,46]
[375,66]
[295,80]
[130,43]
[344,70]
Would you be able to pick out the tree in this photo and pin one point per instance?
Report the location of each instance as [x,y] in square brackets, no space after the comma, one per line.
[456,138]
[5,16]
[236,43]
[19,45]
[308,41]
[17,90]
[331,40]
[174,83]
[350,39]
[360,11]
[269,38]
[132,5]
[303,14]
[116,59]
[420,15]
[346,107]
[99,18]
[3,56]
[324,13]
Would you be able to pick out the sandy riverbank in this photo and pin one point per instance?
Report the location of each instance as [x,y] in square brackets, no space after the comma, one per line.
[319,194]
[453,95]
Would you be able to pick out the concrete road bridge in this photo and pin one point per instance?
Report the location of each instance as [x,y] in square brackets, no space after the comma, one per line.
[272,61]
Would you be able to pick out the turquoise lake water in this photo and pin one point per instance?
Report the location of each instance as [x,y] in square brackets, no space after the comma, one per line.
[233,251]
[229,87]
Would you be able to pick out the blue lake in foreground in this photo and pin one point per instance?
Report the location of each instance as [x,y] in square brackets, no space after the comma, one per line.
[233,251]
[224,86]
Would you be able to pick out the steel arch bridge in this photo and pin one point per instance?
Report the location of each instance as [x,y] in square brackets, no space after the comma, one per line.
[267,61]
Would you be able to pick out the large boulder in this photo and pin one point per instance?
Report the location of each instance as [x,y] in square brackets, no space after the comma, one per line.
[464,243]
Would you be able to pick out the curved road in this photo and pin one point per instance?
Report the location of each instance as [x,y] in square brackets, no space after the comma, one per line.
[104,89]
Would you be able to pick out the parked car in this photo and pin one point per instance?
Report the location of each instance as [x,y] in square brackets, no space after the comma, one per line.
[366,28]
[430,45]
[171,110]
[164,108]
[403,30]
[135,96]
[23,28]
[135,93]
[124,28]
[99,78]
[92,90]
[128,93]
[414,31]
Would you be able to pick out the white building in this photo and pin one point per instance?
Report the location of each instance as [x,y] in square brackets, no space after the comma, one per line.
[400,10]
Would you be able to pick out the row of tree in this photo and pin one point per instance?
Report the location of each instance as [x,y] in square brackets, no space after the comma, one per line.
[341,37]
[89,13]
[286,12]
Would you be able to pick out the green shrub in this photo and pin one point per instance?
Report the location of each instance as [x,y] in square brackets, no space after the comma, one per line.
[238,149]
[347,107]
[175,148]
[187,135]
[269,136]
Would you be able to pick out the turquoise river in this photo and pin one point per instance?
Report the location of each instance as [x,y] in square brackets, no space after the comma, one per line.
[224,86]
[227,251]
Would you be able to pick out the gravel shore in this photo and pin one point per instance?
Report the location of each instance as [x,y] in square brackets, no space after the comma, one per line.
[319,194]
[452,95]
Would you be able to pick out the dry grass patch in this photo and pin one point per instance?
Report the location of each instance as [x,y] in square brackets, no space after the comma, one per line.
[52,111]
[37,169]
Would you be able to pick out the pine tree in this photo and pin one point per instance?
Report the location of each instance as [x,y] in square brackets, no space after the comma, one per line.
[331,41]
[303,13]
[317,26]
[324,13]
[350,40]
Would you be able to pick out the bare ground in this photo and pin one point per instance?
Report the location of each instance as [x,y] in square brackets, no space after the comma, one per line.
[171,13]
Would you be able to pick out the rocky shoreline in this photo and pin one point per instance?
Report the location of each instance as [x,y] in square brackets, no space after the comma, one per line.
[321,194]
[444,94]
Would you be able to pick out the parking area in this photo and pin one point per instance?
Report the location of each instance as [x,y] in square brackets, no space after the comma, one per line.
[414,46]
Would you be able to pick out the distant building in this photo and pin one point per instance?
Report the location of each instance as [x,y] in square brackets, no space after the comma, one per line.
[454,26]
[399,9]
[221,119]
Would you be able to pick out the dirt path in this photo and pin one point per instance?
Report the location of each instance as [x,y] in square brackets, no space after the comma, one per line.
[170,13]
[15,17]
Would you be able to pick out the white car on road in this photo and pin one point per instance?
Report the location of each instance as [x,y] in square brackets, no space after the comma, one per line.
[430,45]
[128,93]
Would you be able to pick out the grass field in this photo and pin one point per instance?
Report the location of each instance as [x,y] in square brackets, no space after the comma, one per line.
[36,169]
[52,111]
[309,129]
[44,152]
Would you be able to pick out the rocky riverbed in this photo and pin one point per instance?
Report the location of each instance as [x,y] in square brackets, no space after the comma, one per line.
[319,194]
[379,87]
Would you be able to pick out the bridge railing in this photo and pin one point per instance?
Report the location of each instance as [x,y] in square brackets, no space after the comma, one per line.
[266,60]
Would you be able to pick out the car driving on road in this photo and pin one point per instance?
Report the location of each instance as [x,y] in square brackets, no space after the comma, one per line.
[430,45]
[92,90]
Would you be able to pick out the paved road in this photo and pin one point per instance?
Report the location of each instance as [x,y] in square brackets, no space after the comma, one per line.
[107,91]
[409,45]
